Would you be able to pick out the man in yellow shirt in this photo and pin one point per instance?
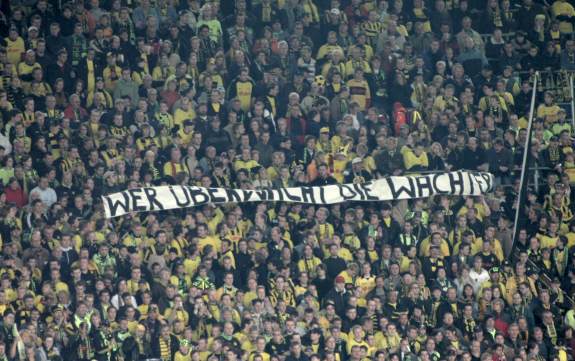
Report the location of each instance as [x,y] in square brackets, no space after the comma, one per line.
[329,47]
[496,247]
[14,45]
[204,239]
[548,110]
[26,67]
[309,262]
[359,89]
[357,61]
[184,112]
[245,161]
[563,11]
[415,159]
[186,133]
[174,165]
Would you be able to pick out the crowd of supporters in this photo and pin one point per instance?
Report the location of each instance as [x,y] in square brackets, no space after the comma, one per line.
[98,96]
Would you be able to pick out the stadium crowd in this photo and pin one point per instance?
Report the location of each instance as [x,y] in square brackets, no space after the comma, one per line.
[99,96]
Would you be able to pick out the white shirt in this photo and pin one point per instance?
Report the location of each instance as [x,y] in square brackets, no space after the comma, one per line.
[47,196]
[5,142]
[478,278]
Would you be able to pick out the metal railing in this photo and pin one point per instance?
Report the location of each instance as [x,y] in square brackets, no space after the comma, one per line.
[543,277]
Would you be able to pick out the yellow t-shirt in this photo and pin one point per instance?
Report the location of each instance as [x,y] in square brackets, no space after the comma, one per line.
[308,265]
[25,69]
[181,357]
[544,111]
[210,240]
[14,49]
[426,244]
[185,137]
[245,164]
[345,254]
[172,169]
[191,265]
[326,49]
[244,93]
[410,159]
[360,92]
[180,116]
[547,241]
[339,167]
[563,8]
[495,247]
[111,76]
[351,65]
[366,284]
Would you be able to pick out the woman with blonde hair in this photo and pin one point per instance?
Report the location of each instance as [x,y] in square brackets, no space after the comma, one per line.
[436,157]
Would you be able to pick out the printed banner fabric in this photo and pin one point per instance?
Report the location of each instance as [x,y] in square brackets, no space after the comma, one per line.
[160,198]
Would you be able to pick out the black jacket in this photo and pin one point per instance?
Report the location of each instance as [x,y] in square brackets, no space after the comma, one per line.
[174,346]
[386,163]
[131,350]
[334,266]
[339,300]
[473,159]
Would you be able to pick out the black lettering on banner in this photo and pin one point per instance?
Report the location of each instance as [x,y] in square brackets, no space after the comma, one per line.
[271,194]
[478,181]
[180,203]
[423,183]
[262,194]
[436,187]
[367,190]
[307,195]
[198,196]
[151,195]
[397,193]
[280,194]
[247,195]
[291,197]
[487,178]
[322,195]
[134,193]
[471,182]
[152,198]
[114,205]
[456,179]
[342,192]
[214,198]
[359,191]
[233,195]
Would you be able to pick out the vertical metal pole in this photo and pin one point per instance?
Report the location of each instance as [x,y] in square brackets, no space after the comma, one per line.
[524,166]
[536,180]
[572,103]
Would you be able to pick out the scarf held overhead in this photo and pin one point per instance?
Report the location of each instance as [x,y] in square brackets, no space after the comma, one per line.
[161,198]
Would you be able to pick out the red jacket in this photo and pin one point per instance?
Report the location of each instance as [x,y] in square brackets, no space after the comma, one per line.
[16,196]
[77,116]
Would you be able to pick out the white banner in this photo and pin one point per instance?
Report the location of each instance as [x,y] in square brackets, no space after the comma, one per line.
[161,198]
